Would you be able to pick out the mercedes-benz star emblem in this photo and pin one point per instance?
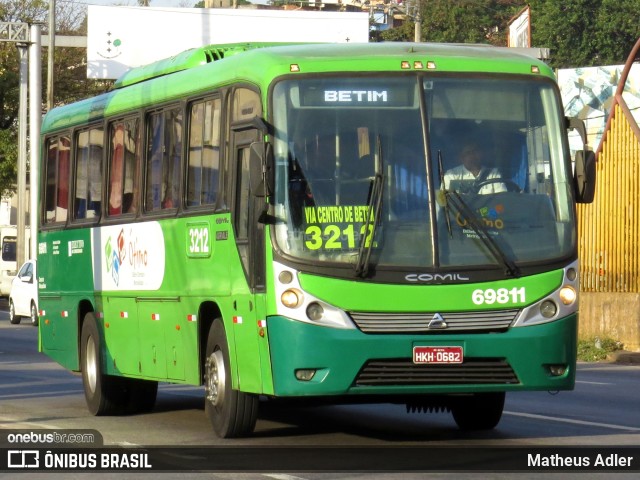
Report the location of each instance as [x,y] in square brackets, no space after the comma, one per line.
[437,322]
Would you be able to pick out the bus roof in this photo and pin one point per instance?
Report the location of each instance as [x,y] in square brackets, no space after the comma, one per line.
[191,58]
[198,70]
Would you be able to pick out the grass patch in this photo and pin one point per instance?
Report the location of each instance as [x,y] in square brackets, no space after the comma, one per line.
[595,349]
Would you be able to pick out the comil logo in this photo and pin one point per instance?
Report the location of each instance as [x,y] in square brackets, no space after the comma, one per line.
[23,459]
[436,277]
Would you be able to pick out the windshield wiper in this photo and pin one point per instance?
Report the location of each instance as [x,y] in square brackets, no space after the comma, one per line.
[479,229]
[375,204]
[445,194]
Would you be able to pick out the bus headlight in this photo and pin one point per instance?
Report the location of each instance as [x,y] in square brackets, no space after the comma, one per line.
[568,295]
[295,303]
[556,305]
[315,311]
[285,277]
[291,298]
[548,309]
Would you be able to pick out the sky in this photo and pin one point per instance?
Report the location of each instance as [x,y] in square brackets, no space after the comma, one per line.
[153,3]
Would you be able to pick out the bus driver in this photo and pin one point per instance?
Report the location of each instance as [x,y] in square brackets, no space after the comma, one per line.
[468,177]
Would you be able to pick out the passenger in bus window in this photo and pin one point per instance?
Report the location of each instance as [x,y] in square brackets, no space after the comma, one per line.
[115,172]
[154,185]
[172,159]
[470,175]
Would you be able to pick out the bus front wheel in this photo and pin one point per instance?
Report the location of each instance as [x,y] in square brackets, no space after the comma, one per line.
[105,395]
[232,413]
[479,411]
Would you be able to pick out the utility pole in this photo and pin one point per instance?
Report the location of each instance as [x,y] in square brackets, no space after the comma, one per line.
[35,114]
[25,35]
[21,256]
[50,55]
[417,34]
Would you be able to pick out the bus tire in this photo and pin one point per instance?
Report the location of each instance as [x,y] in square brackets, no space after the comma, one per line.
[480,411]
[232,413]
[105,394]
[13,318]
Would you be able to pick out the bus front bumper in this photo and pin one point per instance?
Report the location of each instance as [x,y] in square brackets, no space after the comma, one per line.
[309,360]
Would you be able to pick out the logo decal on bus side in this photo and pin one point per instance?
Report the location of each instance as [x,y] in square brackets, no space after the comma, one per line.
[130,257]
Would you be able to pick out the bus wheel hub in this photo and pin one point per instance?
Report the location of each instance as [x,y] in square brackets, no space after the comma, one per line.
[215,377]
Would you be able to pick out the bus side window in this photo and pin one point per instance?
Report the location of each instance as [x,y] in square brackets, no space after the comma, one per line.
[57,178]
[124,166]
[171,174]
[164,154]
[88,188]
[204,153]
[154,161]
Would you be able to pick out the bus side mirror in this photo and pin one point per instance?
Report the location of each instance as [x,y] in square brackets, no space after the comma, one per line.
[585,176]
[261,171]
[584,179]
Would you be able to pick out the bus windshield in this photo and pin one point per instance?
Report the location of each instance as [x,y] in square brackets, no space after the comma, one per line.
[421,171]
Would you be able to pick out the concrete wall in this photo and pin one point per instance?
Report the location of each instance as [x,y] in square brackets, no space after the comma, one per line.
[613,315]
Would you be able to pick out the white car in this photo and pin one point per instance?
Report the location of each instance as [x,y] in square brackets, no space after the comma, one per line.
[23,299]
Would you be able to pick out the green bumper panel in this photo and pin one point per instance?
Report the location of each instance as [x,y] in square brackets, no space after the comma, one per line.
[349,362]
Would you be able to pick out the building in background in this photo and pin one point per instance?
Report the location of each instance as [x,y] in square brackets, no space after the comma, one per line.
[609,227]
[116,42]
[384,14]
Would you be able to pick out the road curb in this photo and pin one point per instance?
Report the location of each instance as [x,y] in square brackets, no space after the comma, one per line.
[625,357]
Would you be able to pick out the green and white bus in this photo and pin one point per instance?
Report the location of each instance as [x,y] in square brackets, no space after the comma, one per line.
[273,222]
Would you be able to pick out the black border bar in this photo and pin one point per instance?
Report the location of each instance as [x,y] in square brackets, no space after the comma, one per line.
[465,458]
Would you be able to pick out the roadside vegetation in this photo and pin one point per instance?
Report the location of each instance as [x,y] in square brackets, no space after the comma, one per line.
[596,349]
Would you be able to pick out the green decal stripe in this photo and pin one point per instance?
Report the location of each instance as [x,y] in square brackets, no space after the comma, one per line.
[363,296]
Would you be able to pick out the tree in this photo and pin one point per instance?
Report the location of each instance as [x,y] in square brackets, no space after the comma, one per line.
[584,33]
[403,33]
[70,73]
[616,30]
[566,28]
[12,11]
[8,160]
[461,21]
[579,33]
[9,95]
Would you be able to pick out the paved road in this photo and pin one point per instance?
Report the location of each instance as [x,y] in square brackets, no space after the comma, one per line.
[37,393]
